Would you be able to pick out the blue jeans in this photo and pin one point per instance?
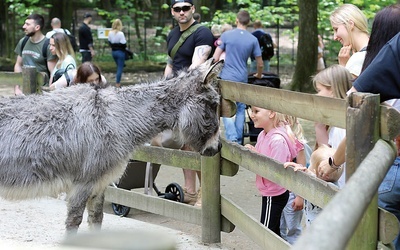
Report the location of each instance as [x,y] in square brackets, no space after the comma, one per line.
[234,126]
[291,221]
[119,58]
[389,194]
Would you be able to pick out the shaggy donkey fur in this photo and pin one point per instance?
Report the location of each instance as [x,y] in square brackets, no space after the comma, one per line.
[78,139]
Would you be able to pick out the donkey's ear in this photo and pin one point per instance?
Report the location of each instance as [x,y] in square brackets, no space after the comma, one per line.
[213,71]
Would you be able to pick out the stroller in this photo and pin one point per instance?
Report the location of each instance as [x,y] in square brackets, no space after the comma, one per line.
[140,174]
[268,80]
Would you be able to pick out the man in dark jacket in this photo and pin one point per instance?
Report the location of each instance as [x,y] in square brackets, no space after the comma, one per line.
[86,39]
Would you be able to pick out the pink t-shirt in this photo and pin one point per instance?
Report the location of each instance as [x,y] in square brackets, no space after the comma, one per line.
[277,145]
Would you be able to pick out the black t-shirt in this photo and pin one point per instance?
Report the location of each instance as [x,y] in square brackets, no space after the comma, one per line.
[382,76]
[183,57]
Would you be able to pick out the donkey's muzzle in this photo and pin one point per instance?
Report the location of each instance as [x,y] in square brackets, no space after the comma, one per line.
[211,151]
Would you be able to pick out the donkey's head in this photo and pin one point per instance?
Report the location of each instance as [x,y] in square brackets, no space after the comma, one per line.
[199,119]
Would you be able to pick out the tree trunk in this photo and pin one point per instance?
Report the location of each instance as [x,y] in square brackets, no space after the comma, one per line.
[307,48]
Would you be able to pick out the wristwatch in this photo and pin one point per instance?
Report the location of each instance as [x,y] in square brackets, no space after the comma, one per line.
[332,163]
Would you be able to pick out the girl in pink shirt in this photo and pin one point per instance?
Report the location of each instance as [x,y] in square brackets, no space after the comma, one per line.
[275,143]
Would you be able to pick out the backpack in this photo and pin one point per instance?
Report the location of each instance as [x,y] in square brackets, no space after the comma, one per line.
[44,50]
[72,39]
[267,46]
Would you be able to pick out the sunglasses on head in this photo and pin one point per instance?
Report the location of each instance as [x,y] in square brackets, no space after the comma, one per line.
[183,8]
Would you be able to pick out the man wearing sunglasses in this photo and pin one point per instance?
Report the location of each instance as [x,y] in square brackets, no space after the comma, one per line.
[194,51]
[196,48]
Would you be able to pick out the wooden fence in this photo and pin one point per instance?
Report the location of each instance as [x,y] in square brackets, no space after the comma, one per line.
[350,218]
[350,221]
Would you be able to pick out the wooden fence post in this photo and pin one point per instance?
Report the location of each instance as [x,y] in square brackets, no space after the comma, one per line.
[362,134]
[29,79]
[211,199]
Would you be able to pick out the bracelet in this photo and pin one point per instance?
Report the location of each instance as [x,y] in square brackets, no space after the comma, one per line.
[332,164]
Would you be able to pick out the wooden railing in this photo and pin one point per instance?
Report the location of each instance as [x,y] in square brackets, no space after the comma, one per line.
[350,218]
[370,126]
[29,80]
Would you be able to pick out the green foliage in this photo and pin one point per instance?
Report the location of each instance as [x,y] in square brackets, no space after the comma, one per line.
[135,12]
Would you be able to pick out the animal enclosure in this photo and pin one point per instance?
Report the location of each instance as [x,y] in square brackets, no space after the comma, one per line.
[368,159]
[369,155]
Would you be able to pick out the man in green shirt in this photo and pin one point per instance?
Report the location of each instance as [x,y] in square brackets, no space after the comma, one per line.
[32,52]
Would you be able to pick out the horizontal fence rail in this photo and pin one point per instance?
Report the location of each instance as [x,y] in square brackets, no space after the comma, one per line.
[333,228]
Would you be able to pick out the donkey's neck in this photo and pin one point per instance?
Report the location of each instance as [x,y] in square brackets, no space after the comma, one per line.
[152,107]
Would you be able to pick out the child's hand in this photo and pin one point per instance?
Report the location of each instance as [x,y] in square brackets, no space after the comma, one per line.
[295,165]
[251,147]
[298,203]
[324,170]
[344,54]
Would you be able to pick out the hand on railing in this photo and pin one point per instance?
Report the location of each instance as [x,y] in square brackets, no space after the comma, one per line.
[296,166]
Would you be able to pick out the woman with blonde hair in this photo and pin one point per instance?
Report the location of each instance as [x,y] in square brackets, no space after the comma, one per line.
[60,45]
[350,27]
[117,41]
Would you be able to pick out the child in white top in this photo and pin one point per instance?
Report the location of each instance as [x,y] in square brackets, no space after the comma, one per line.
[320,154]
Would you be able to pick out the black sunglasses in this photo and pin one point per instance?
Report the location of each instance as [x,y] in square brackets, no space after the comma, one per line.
[184,8]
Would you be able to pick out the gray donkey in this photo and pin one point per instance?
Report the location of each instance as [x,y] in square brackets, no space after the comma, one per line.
[78,139]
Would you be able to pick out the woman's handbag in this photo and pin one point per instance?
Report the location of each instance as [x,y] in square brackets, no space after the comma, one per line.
[128,54]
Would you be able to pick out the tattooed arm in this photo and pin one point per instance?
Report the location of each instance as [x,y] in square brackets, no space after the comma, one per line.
[200,55]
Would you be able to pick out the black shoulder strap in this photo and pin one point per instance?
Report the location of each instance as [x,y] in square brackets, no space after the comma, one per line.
[23,43]
[44,48]
[44,52]
[65,32]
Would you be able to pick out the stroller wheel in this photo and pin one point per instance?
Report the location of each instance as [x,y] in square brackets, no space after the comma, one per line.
[120,209]
[174,192]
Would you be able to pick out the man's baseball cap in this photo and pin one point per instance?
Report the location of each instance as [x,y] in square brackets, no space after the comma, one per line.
[181,1]
[87,14]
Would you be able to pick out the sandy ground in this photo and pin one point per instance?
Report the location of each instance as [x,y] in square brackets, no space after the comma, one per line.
[39,224]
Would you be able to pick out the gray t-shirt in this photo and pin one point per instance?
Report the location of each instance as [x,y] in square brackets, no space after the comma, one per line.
[32,54]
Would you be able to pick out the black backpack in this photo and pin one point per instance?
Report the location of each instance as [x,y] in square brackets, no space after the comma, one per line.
[72,39]
[267,46]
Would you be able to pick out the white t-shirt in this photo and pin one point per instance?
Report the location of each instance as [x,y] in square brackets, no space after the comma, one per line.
[57,30]
[118,37]
[355,63]
[336,135]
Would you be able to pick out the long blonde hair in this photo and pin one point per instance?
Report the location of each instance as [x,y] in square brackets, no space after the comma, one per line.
[63,47]
[335,77]
[116,25]
[294,126]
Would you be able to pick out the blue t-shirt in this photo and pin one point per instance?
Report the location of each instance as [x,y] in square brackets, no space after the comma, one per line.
[239,45]
[183,56]
[382,76]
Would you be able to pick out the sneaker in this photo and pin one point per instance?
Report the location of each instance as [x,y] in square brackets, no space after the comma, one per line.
[189,198]
[198,202]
